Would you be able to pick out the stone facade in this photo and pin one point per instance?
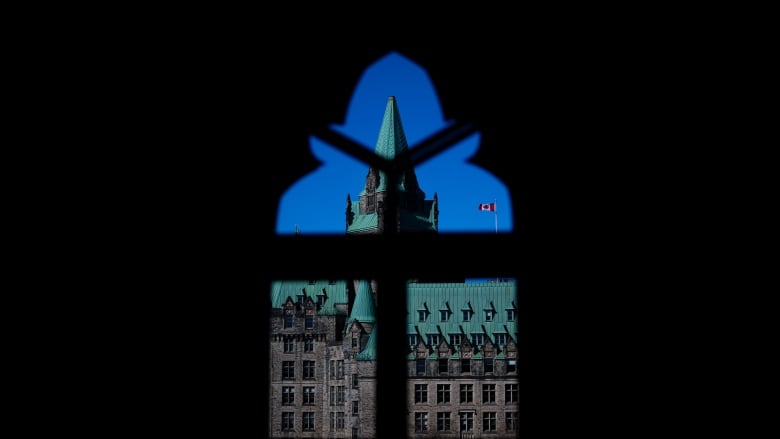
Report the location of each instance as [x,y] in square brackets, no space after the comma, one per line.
[318,388]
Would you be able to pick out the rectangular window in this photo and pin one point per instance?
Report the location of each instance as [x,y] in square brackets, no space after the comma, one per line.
[355,433]
[332,394]
[288,321]
[332,369]
[355,407]
[466,315]
[511,421]
[412,340]
[478,339]
[340,421]
[443,393]
[421,316]
[341,396]
[354,380]
[308,421]
[466,393]
[511,365]
[289,344]
[443,366]
[420,422]
[489,421]
[488,365]
[421,367]
[488,393]
[355,341]
[443,421]
[288,421]
[466,421]
[288,395]
[308,344]
[309,322]
[489,313]
[500,339]
[456,339]
[339,369]
[510,393]
[308,396]
[308,370]
[433,339]
[420,393]
[465,366]
[444,315]
[510,315]
[288,370]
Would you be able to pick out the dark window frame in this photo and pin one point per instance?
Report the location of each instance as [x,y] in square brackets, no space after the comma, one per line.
[420,393]
[309,369]
[442,393]
[288,370]
[422,64]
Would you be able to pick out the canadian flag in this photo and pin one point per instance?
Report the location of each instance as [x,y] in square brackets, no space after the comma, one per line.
[491,207]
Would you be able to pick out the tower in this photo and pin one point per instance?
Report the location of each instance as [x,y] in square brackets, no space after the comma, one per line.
[461,358]
[415,213]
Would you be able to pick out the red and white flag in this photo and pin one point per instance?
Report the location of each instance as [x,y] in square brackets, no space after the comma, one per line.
[490,207]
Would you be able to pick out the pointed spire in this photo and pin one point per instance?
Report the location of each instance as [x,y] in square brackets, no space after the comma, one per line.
[390,144]
[392,140]
[363,308]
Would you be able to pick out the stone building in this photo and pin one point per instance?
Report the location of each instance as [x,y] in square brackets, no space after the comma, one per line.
[462,361]
[322,359]
[462,377]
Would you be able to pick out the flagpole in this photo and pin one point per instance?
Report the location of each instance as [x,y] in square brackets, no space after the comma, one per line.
[495,212]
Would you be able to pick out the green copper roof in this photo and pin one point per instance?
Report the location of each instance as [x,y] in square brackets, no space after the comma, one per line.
[327,293]
[369,352]
[454,298]
[410,221]
[391,141]
[363,308]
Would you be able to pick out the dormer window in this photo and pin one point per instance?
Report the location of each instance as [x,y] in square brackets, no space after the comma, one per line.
[288,321]
[500,338]
[478,339]
[412,340]
[444,315]
[489,315]
[355,342]
[456,339]
[309,322]
[433,339]
[510,315]
[421,315]
[466,315]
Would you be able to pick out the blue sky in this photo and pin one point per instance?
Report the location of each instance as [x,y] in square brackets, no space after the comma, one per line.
[316,203]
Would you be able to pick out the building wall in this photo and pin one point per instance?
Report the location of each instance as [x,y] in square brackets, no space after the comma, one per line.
[365,395]
[330,349]
[477,406]
[323,335]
